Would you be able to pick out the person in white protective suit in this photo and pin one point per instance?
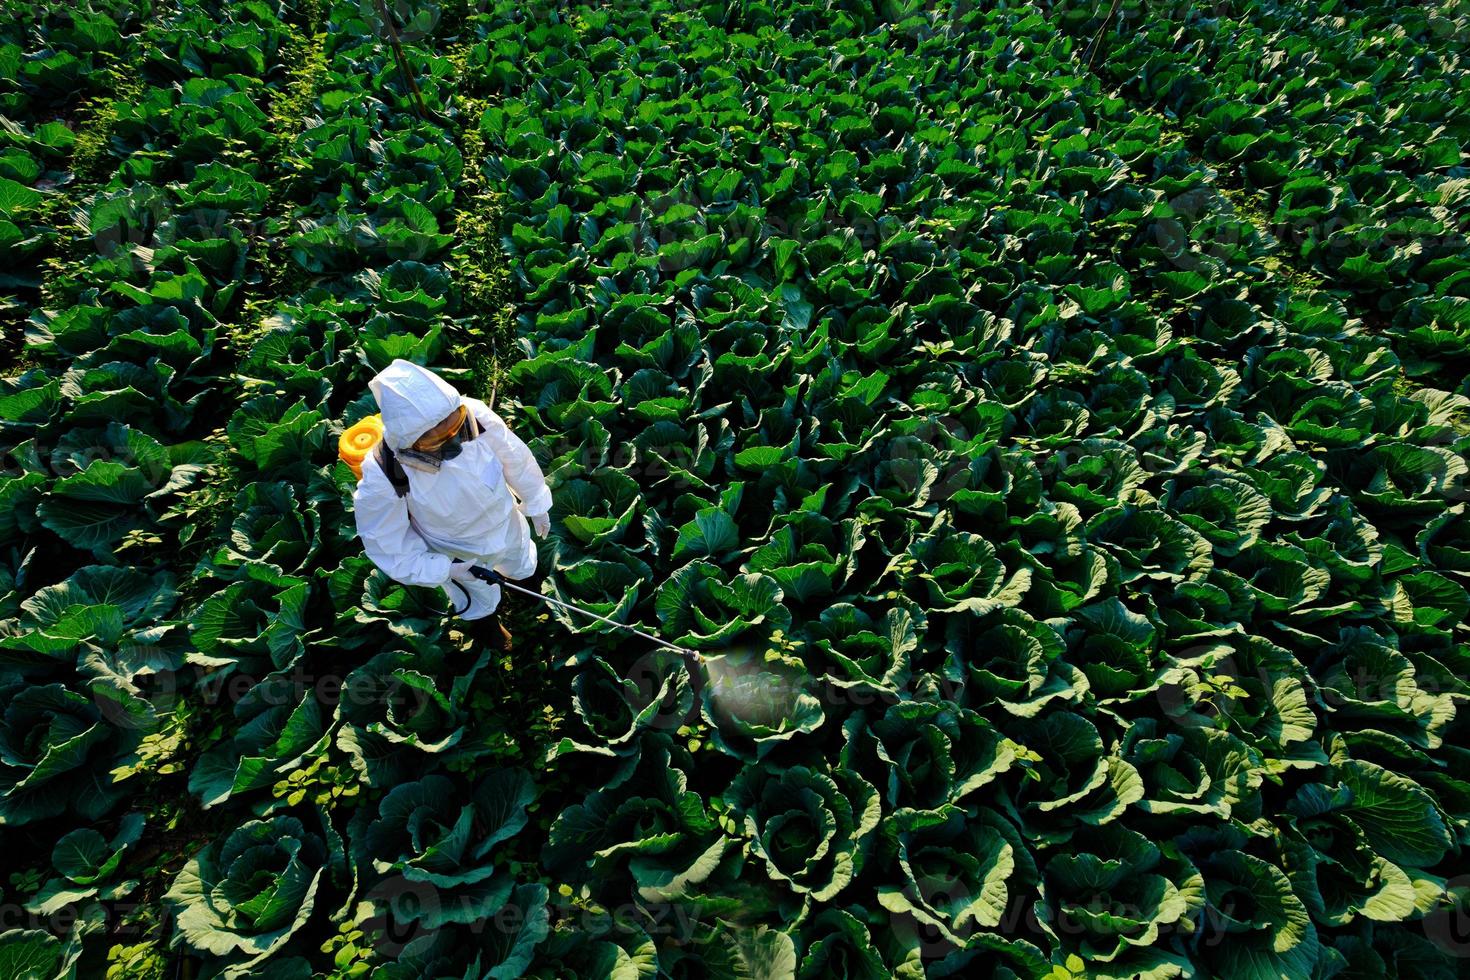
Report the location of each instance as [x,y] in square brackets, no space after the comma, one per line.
[462,464]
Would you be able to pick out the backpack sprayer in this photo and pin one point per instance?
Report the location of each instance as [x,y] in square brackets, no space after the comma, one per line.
[362,438]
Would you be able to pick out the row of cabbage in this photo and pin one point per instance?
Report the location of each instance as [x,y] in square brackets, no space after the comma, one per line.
[102,432]
[185,610]
[1078,595]
[51,62]
[1352,121]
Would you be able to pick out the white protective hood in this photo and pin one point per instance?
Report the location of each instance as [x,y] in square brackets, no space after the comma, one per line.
[412,400]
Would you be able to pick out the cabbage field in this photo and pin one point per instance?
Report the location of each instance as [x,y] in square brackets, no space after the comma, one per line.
[1048,422]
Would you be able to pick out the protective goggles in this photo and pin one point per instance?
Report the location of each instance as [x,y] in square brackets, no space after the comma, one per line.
[440,434]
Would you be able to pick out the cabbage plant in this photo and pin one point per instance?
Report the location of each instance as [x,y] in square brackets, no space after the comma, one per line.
[246,894]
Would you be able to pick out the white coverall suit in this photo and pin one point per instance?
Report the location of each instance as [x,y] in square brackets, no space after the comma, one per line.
[462,510]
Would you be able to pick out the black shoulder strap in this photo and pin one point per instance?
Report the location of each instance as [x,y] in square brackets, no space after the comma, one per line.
[394,469]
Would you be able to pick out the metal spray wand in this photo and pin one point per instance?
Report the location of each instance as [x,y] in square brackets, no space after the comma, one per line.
[495,578]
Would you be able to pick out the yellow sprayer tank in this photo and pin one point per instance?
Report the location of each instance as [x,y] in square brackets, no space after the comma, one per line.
[358,441]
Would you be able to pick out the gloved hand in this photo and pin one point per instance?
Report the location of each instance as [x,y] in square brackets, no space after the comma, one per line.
[541,523]
[460,569]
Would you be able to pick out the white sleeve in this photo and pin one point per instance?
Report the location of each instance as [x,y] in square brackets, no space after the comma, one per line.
[388,538]
[522,472]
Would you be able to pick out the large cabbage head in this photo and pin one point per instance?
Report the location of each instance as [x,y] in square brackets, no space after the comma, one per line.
[57,751]
[809,827]
[247,893]
[439,839]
